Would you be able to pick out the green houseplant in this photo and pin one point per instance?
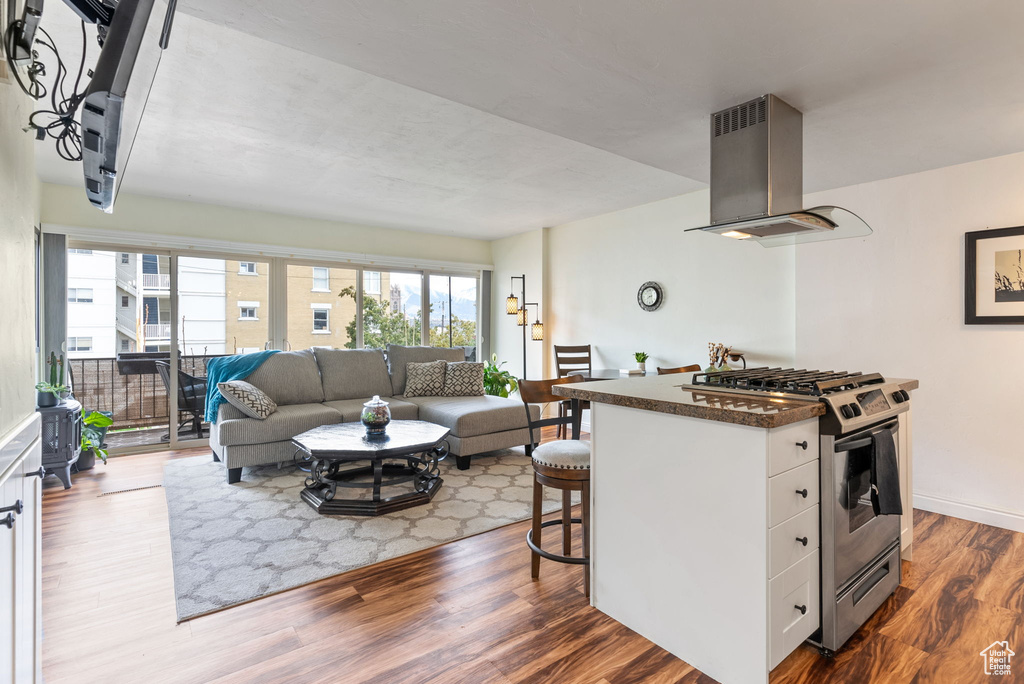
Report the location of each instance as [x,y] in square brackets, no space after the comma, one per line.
[94,432]
[52,392]
[641,360]
[498,382]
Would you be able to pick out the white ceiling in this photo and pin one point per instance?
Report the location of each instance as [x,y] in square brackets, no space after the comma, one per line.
[489,117]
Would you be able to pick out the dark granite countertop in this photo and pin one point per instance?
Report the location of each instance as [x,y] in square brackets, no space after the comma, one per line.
[671,394]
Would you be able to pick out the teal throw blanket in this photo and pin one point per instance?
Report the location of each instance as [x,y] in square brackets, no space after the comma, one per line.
[226,369]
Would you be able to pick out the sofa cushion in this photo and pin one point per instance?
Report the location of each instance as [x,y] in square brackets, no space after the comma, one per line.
[352,409]
[353,373]
[290,378]
[472,416]
[424,379]
[250,400]
[463,379]
[398,356]
[288,421]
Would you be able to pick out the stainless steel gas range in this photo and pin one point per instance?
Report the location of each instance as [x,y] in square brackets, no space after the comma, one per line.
[860,550]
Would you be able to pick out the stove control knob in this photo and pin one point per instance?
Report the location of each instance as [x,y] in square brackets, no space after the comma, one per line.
[846,411]
[906,395]
[897,396]
[856,409]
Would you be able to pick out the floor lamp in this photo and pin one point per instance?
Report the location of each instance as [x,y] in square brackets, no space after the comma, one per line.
[513,308]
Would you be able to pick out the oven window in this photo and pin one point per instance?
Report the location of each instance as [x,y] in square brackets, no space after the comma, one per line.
[857,494]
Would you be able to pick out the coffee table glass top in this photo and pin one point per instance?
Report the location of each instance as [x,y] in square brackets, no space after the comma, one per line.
[349,439]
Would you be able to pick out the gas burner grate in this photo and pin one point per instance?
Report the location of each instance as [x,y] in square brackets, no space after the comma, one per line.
[812,383]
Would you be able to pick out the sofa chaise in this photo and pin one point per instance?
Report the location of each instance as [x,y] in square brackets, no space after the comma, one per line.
[323,386]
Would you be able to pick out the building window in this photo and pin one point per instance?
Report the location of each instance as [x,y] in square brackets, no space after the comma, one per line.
[82,295]
[371,282]
[124,301]
[79,344]
[321,279]
[150,264]
[247,313]
[124,345]
[321,320]
[124,257]
[247,268]
[79,251]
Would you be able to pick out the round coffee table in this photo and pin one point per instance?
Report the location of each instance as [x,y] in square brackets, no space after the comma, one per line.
[337,457]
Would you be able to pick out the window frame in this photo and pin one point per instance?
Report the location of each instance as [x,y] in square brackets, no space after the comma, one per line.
[77,299]
[242,270]
[75,346]
[326,278]
[324,309]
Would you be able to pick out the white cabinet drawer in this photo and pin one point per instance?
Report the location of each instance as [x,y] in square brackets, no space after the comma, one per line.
[792,540]
[788,627]
[785,446]
[792,492]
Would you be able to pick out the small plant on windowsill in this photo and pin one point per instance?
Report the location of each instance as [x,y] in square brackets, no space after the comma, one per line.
[641,360]
[498,382]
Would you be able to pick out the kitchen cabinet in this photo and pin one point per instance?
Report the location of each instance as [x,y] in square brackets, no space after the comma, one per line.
[20,555]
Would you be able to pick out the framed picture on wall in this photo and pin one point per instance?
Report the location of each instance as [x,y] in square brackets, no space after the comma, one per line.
[994,276]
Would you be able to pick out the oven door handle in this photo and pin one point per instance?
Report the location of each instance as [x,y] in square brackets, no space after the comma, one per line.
[861,439]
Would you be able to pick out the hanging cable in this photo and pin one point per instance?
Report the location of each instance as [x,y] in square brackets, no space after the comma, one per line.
[34,89]
[62,126]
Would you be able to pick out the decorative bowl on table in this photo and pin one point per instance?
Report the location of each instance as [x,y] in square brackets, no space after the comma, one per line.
[376,416]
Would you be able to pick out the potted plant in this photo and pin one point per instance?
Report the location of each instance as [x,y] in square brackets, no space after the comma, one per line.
[52,393]
[94,432]
[498,382]
[641,360]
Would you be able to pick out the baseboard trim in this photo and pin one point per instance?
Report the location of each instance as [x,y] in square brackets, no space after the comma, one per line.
[986,515]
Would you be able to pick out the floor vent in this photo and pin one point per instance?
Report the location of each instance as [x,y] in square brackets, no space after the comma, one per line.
[130,489]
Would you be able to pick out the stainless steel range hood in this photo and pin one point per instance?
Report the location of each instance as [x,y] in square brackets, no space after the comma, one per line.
[757,179]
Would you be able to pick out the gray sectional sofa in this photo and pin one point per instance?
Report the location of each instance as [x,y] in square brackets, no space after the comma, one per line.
[323,386]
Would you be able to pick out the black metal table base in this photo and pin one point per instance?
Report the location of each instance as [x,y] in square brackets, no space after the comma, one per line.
[328,475]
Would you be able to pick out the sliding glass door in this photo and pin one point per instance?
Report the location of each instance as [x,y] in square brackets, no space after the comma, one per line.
[453,313]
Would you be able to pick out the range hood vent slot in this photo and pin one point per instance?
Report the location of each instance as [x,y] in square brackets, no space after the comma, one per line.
[757,179]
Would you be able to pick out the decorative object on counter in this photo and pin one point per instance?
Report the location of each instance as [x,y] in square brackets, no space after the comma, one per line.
[376,416]
[994,276]
[692,368]
[515,306]
[718,353]
[641,360]
[650,296]
[53,392]
[94,432]
[498,382]
[735,356]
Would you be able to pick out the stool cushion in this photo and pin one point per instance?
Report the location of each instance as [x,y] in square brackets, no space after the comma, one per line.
[571,454]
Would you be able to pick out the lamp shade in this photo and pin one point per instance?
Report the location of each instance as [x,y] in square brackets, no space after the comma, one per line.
[512,305]
[521,317]
[538,331]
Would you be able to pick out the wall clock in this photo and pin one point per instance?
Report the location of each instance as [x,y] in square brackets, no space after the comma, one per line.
[650,296]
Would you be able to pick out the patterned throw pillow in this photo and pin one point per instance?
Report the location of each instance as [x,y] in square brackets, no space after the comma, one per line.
[424,379]
[464,379]
[247,398]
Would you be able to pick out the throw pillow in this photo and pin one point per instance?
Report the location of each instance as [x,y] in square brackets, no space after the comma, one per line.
[464,379]
[424,379]
[247,398]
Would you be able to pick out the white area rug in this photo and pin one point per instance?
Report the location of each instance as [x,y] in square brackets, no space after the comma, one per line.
[234,543]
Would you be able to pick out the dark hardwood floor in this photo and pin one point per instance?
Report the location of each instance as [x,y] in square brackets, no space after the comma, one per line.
[462,612]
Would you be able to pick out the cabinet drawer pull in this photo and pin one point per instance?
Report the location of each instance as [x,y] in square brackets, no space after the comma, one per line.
[17,508]
[802,540]
[802,445]
[8,521]
[802,492]
[41,473]
[802,609]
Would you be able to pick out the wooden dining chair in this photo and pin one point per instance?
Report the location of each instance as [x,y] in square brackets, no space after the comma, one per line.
[570,358]
[563,465]
[692,368]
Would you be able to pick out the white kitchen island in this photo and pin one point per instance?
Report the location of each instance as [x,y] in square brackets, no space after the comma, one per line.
[705,520]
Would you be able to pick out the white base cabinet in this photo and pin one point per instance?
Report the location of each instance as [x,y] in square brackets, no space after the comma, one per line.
[20,555]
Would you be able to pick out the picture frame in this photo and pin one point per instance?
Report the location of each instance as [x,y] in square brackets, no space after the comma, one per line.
[994,277]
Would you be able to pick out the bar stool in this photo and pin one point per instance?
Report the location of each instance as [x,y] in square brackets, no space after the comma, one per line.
[563,465]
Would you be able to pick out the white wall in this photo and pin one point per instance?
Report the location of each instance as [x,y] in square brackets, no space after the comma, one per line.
[716,289]
[516,256]
[893,302]
[19,211]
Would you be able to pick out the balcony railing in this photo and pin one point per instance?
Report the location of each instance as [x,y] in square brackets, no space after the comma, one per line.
[156,281]
[157,331]
[137,401]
